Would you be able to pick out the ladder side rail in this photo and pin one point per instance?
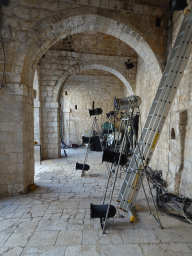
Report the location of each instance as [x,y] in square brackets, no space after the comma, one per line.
[168,104]
[141,136]
[172,86]
[131,186]
[135,183]
[166,71]
[157,104]
[169,95]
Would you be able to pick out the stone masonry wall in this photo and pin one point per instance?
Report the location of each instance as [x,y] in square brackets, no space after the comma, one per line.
[57,66]
[173,154]
[146,87]
[82,90]
[29,29]
[173,151]
[16,139]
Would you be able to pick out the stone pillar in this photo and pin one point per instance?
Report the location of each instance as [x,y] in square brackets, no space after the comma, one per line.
[50,130]
[16,139]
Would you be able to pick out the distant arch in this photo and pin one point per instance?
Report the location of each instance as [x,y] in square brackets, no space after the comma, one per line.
[77,69]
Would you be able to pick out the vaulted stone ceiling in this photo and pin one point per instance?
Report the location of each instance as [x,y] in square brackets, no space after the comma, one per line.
[95,43]
[98,44]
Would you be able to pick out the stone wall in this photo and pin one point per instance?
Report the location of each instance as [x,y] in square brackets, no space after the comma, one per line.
[16,139]
[173,152]
[56,67]
[82,90]
[29,29]
[147,84]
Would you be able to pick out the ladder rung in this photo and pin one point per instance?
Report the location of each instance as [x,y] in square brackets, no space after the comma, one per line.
[182,33]
[176,47]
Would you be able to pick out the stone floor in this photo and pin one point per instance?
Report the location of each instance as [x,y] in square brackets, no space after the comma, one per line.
[55,219]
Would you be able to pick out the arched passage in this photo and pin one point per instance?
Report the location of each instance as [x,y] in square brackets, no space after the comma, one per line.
[50,111]
[78,68]
[83,91]
[34,42]
[77,24]
[55,30]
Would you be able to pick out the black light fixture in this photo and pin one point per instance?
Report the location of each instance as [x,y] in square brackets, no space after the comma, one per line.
[177,5]
[113,157]
[88,140]
[95,112]
[99,211]
[84,167]
[129,64]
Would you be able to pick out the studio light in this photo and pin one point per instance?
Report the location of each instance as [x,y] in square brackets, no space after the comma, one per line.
[88,139]
[99,211]
[178,5]
[132,101]
[84,167]
[95,112]
[129,64]
[113,157]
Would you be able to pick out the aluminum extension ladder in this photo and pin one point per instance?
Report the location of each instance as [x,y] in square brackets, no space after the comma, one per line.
[157,115]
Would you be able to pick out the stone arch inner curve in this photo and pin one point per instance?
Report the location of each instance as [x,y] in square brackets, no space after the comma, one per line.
[93,23]
[78,68]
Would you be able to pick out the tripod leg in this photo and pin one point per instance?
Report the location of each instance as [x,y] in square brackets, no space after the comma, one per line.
[154,203]
[145,194]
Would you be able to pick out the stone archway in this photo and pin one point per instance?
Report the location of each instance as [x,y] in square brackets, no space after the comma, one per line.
[51,146]
[88,23]
[28,48]
[80,67]
[85,23]
[83,91]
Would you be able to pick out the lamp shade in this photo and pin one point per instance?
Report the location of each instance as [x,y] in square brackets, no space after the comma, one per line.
[113,157]
[132,101]
[84,167]
[99,211]
[95,112]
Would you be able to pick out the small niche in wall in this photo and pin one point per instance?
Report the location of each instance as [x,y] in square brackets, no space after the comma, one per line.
[93,104]
[173,134]
[66,93]
[75,106]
